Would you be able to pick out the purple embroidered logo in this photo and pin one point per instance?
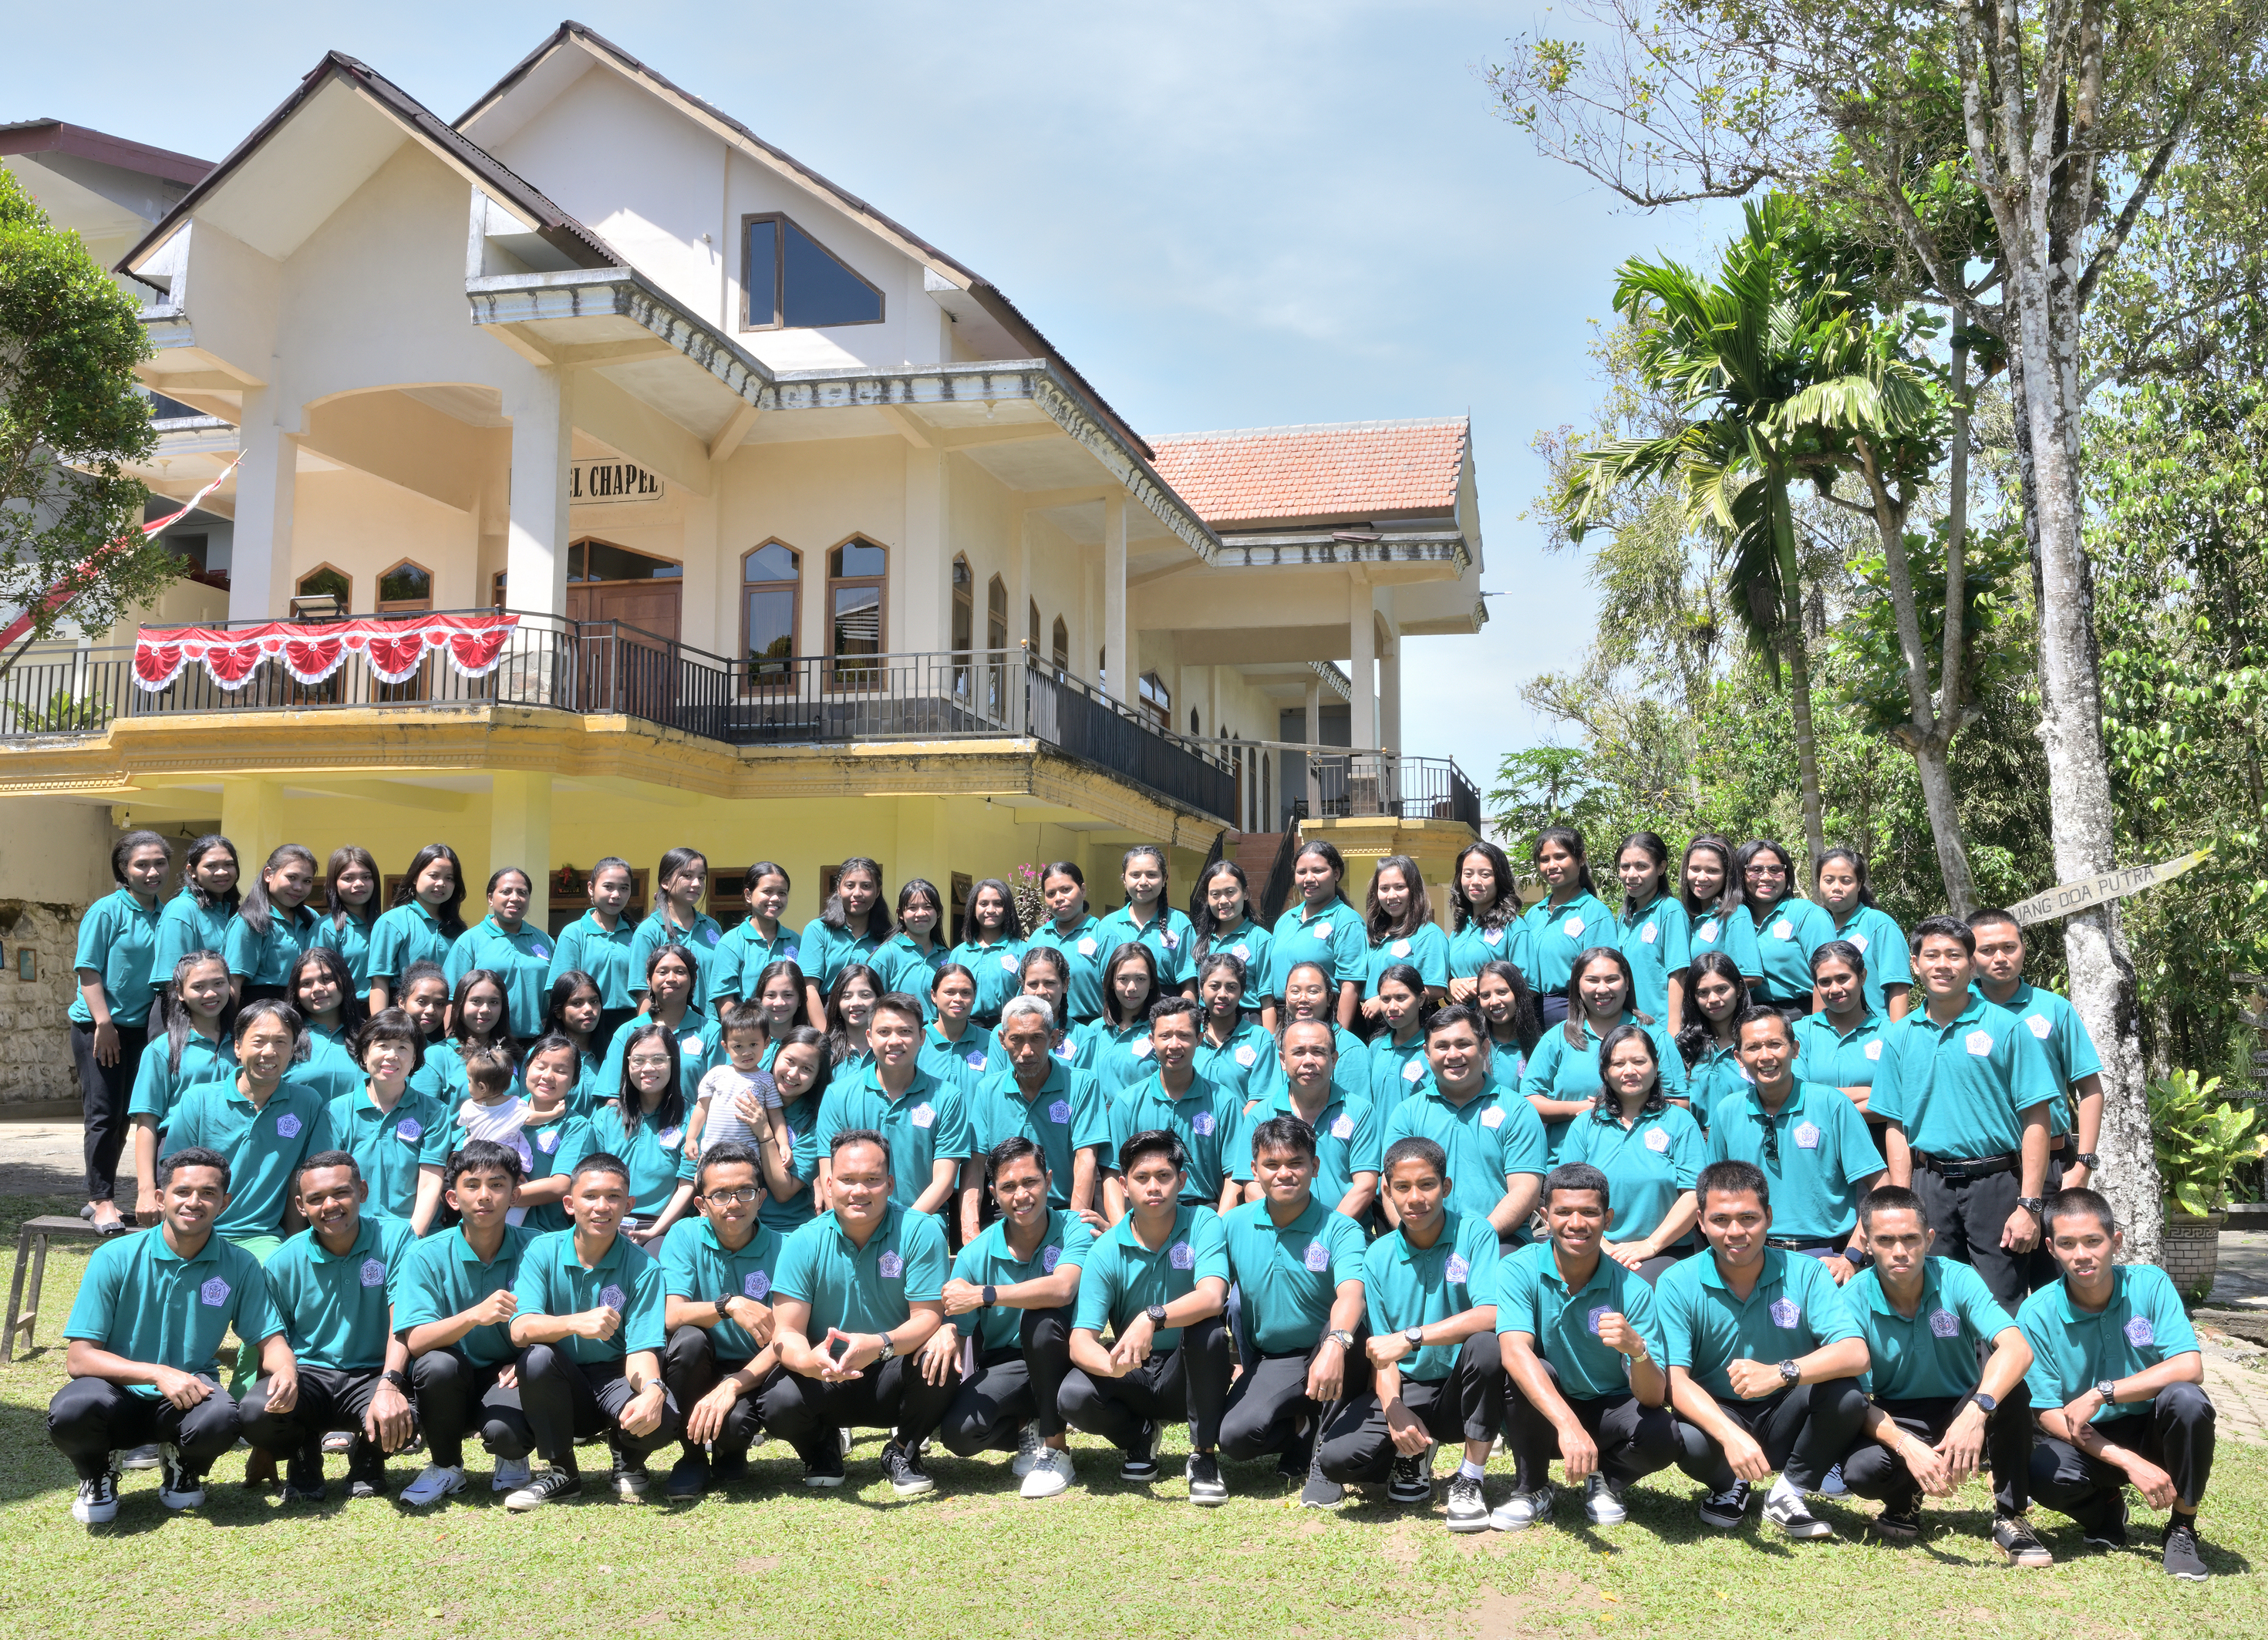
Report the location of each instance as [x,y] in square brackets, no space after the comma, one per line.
[520,1144]
[287,1125]
[1048,1258]
[1979,1043]
[1572,928]
[1248,1056]
[1599,1312]
[1944,1323]
[1182,1257]
[1493,936]
[1415,1070]
[611,1296]
[1646,938]
[1786,1313]
[1173,940]
[1241,953]
[1859,940]
[1059,1112]
[923,1115]
[1201,1124]
[1087,948]
[1318,1256]
[2140,1333]
[1456,1268]
[373,1272]
[1706,933]
[1321,931]
[1142,1047]
[757,1284]
[891,1265]
[1783,929]
[409,1130]
[669,1137]
[1806,1136]
[214,1293]
[1007,963]
[1874,1051]
[547,1141]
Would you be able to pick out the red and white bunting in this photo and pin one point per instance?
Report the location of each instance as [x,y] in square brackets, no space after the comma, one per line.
[312,650]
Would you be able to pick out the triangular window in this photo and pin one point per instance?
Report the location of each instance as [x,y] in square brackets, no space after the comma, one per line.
[790,281]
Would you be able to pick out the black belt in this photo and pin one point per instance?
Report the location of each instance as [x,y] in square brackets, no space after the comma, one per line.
[1793,1244]
[2059,1144]
[1954,1171]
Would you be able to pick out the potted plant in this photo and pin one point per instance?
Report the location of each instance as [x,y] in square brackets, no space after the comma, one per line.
[2200,1144]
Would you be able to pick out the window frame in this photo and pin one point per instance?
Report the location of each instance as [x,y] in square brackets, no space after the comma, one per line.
[404,606]
[588,542]
[838,674]
[779,276]
[754,678]
[299,584]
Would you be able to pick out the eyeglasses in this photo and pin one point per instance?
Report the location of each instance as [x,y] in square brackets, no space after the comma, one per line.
[744,1193]
[647,1062]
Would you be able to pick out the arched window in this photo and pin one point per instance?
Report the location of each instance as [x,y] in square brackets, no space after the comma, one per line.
[1060,651]
[327,581]
[1193,730]
[996,614]
[771,579]
[405,589]
[1157,700]
[1035,625]
[855,574]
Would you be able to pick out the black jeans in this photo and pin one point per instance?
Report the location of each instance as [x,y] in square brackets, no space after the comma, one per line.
[565,1399]
[1803,1430]
[103,1093]
[329,1397]
[1871,1469]
[1266,1405]
[807,1413]
[454,1396]
[1466,1406]
[2174,1432]
[1634,1438]
[1188,1381]
[1969,1219]
[1013,1387]
[691,1369]
[90,1418]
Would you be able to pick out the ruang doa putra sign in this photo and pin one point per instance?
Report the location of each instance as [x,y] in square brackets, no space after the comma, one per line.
[2065,898]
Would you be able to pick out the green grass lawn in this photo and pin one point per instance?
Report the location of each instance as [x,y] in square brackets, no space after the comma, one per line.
[974,1559]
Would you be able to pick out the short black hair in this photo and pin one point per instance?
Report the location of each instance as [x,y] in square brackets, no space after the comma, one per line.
[1577,1176]
[1151,1142]
[1177,1007]
[1890,1198]
[322,1159]
[391,1024]
[1458,1013]
[1753,1015]
[481,1156]
[1994,913]
[600,1162]
[1733,1178]
[2079,1203]
[1414,1149]
[1014,1148]
[850,1137]
[1284,1133]
[192,1156]
[725,1153]
[1944,928]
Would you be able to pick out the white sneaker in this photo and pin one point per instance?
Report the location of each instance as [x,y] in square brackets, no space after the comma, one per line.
[1051,1473]
[140,1458]
[433,1483]
[97,1503]
[1523,1509]
[845,1434]
[1790,1517]
[510,1474]
[1028,1448]
[1602,1505]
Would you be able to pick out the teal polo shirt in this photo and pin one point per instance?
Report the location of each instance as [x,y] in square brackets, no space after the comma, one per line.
[1840,1059]
[1488,1138]
[926,1124]
[1081,946]
[1934,1354]
[404,937]
[1238,1062]
[1654,940]
[158,1083]
[118,943]
[1331,934]
[1557,935]
[556,1147]
[1250,945]
[184,926]
[1290,1274]
[390,1146]
[798,1210]
[1349,1071]
[1398,1070]
[698,1047]
[337,1309]
[443,1277]
[1120,1055]
[1404,1286]
[823,953]
[989,1261]
[267,958]
[1425,948]
[744,953]
[1960,1090]
[1717,1075]
[263,1148]
[1507,1063]
[350,938]
[142,1300]
[2063,1039]
[1555,1070]
[695,1265]
[1346,1142]
[653,1151]
[1533,1297]
[1475,944]
[1882,943]
[699,942]
[905,967]
[1207,1119]
[941,1055]
[1123,1277]
[1067,1114]
[1793,1309]
[994,968]
[2073,1351]
[863,1290]
[1648,1165]
[587,947]
[1168,935]
[1825,1156]
[1785,937]
[1735,936]
[522,961]
[553,1282]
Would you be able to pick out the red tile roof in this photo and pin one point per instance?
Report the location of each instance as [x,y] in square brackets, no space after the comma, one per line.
[1349,469]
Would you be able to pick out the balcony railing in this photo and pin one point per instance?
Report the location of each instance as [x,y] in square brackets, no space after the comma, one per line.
[604,667]
[1347,783]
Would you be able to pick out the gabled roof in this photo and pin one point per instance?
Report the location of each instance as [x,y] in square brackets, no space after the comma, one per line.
[571,238]
[987,295]
[59,136]
[1346,469]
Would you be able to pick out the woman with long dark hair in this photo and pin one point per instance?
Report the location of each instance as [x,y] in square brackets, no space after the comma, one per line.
[1789,928]
[1563,1074]
[198,917]
[991,949]
[503,943]
[571,1012]
[758,939]
[322,992]
[188,1044]
[1398,1067]
[116,966]
[1148,918]
[1045,973]
[1717,995]
[647,1126]
[851,927]
[1321,925]
[1844,893]
[1121,1039]
[1507,1007]
[1651,1150]
[1074,933]
[350,912]
[1227,921]
[850,1009]
[909,960]
[1484,923]
[558,1135]
[1841,1044]
[670,976]
[273,925]
[421,926]
[953,1044]
[602,943]
[480,1020]
[1233,1048]
[1309,993]
[681,881]
[1716,911]
[1652,927]
[801,1068]
[1569,920]
[1398,923]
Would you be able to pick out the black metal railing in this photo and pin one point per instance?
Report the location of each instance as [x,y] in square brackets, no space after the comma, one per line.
[1343,784]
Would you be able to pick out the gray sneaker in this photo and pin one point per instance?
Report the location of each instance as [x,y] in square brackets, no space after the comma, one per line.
[1602,1501]
[1468,1510]
[1523,1509]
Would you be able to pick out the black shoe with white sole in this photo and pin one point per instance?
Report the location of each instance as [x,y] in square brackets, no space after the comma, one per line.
[1206,1488]
[97,1503]
[1725,1511]
[547,1486]
[902,1467]
[2108,1528]
[177,1487]
[1138,1465]
[1468,1510]
[1411,1483]
[2183,1556]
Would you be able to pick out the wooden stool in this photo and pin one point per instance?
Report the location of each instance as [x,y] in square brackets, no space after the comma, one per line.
[31,1248]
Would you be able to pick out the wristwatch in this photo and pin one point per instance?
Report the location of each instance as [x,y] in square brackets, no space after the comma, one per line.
[723,1305]
[1789,1372]
[1157,1315]
[2107,1388]
[1414,1336]
[2085,1158]
[400,1380]
[1986,1404]
[992,1295]
[1340,1336]
[889,1348]
[2036,1205]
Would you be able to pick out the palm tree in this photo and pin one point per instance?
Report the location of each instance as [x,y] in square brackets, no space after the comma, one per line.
[1777,368]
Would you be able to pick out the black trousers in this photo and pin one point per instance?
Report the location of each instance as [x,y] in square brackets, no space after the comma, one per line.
[1466,1406]
[456,1397]
[1013,1387]
[1803,1431]
[330,1398]
[1871,1469]
[103,1093]
[565,1399]
[1634,1438]
[690,1367]
[1969,1219]
[1188,1381]
[2174,1432]
[807,1413]
[1651,1270]
[1266,1404]
[90,1418]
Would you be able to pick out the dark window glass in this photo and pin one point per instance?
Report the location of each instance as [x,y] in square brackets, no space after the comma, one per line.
[855,558]
[857,620]
[405,584]
[996,615]
[328,580]
[599,560]
[770,616]
[761,273]
[820,290]
[771,561]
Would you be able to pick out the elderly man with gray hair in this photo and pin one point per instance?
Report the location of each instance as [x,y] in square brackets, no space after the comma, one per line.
[1037,1096]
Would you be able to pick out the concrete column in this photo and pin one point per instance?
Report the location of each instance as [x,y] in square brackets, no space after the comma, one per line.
[1362,631]
[1115,639]
[520,834]
[252,818]
[924,847]
[260,568]
[535,549]
[1390,694]
[1314,738]
[716,626]
[921,570]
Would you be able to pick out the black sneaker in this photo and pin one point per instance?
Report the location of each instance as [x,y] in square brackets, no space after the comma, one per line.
[2183,1560]
[177,1487]
[1411,1482]
[366,1472]
[689,1478]
[1901,1523]
[1138,1465]
[1319,1493]
[630,1477]
[822,1465]
[303,1476]
[726,1468]
[1725,1511]
[2108,1529]
[1206,1488]
[546,1486]
[2013,1536]
[97,1503]
[902,1467]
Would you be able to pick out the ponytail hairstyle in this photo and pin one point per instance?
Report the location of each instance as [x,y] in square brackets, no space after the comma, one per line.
[450,912]
[879,925]
[613,862]
[1527,1018]
[1414,916]
[670,1112]
[1698,1035]
[468,1039]
[1012,924]
[1201,917]
[1607,1106]
[337,908]
[1568,838]
[1858,864]
[1656,850]
[197,851]
[673,862]
[1839,950]
[1063,868]
[1214,961]
[1572,1029]
[255,912]
[1729,895]
[173,1018]
[1165,882]
[1323,850]
[1503,910]
[122,850]
[352,1009]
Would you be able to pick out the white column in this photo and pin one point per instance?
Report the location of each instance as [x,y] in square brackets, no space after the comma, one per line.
[1390,694]
[1115,639]
[267,483]
[921,570]
[520,834]
[535,548]
[1314,738]
[1362,632]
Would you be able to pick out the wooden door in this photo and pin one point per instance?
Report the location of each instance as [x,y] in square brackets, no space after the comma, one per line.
[629,670]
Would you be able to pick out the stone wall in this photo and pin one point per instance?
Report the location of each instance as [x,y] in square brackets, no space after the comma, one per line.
[35,1056]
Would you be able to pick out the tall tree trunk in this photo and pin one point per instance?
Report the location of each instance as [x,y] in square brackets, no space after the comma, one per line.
[1798,679]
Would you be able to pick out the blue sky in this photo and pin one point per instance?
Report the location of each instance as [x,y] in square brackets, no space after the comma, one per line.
[1226,215]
